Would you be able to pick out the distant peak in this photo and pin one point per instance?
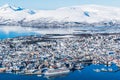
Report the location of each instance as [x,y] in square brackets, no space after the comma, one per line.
[17,8]
[7,6]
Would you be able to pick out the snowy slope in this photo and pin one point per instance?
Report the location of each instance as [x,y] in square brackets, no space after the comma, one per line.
[86,15]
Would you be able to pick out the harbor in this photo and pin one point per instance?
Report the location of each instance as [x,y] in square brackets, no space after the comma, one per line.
[76,75]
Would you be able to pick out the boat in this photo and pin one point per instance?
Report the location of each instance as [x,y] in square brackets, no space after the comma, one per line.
[34,71]
[110,69]
[56,72]
[104,70]
[39,75]
[96,70]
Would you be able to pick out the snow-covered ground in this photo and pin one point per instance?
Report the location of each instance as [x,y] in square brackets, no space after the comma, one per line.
[85,15]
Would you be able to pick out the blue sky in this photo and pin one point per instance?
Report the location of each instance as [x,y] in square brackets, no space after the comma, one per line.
[53,4]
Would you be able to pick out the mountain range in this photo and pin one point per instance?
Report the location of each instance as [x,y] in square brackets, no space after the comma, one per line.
[84,15]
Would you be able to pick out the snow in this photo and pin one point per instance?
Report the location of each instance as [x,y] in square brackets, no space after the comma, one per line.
[90,14]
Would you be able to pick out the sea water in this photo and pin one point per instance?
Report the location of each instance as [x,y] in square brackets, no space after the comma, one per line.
[86,74]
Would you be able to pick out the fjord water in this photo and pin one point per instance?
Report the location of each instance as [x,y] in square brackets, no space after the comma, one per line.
[4,35]
[86,74]
[14,31]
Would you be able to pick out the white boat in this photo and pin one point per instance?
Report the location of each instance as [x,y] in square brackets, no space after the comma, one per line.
[96,70]
[110,69]
[39,75]
[54,72]
[104,70]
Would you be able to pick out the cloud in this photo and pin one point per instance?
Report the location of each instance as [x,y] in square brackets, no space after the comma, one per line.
[19,29]
[8,29]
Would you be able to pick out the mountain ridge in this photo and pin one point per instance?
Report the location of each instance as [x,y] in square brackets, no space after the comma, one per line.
[84,15]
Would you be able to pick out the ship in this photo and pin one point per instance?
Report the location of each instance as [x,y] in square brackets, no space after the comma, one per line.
[55,72]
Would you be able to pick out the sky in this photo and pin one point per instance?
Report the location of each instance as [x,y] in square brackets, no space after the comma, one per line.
[54,4]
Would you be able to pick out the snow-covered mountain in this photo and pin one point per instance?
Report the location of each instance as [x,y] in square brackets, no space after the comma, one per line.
[86,15]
